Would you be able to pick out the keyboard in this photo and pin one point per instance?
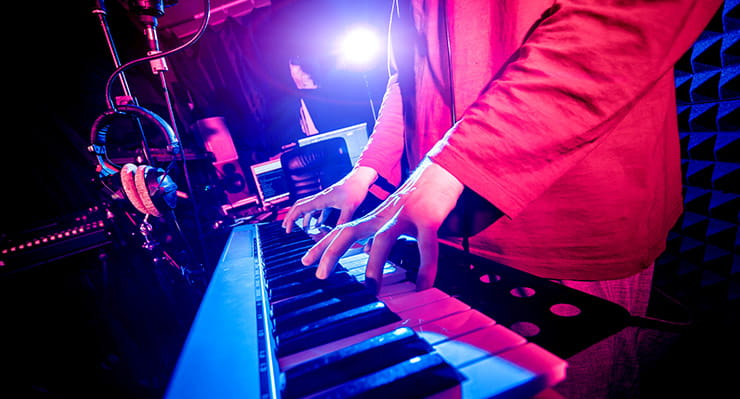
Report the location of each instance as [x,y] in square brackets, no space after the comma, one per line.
[267,328]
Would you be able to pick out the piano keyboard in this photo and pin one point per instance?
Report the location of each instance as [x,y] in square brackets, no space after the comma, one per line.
[267,328]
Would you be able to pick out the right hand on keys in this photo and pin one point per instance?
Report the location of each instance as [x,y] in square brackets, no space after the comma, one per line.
[345,195]
[418,209]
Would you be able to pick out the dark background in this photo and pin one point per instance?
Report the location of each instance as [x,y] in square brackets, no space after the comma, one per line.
[109,322]
[105,317]
[59,64]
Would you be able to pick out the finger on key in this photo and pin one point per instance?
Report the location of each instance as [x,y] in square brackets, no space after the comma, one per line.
[324,216]
[290,217]
[300,209]
[307,221]
[379,251]
[428,256]
[336,248]
[314,253]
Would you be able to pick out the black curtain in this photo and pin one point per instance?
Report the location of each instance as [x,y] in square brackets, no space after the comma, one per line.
[235,71]
[239,70]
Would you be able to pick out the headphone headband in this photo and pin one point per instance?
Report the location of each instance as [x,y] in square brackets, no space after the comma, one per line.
[102,124]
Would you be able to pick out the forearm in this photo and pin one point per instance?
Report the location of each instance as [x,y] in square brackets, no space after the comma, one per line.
[386,144]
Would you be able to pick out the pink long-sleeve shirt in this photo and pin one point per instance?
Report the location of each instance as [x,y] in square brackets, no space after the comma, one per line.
[565,121]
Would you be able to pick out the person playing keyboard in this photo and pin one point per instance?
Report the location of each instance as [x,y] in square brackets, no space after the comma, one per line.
[561,115]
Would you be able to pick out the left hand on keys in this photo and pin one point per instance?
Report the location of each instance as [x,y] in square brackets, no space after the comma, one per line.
[418,208]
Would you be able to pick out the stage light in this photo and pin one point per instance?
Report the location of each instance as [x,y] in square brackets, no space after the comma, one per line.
[359,48]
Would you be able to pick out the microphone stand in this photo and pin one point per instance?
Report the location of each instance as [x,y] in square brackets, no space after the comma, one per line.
[148,12]
[370,97]
[101,12]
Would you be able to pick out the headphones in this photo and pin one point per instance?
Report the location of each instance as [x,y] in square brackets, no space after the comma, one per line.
[149,189]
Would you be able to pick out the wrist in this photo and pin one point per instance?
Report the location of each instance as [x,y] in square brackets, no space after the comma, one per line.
[364,175]
[451,183]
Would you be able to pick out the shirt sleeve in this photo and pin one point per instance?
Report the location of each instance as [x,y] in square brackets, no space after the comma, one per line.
[575,76]
[385,146]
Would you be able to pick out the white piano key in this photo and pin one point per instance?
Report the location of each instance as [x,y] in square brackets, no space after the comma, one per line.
[221,358]
[410,317]
[479,344]
[453,326]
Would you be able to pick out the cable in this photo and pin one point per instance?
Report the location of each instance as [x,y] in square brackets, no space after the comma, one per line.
[186,173]
[453,119]
[101,12]
[195,38]
[659,323]
[450,76]
[112,106]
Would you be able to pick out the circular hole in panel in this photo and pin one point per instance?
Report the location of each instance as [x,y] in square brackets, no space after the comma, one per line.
[565,310]
[522,292]
[490,278]
[525,328]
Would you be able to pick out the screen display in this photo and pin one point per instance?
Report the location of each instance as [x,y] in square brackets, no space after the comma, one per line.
[355,136]
[271,182]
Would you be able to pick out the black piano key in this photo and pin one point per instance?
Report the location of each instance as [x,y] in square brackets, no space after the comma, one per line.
[273,232]
[317,295]
[314,312]
[304,315]
[335,327]
[283,263]
[294,268]
[287,253]
[299,301]
[353,362]
[280,239]
[304,275]
[294,288]
[289,274]
[418,377]
[277,248]
[270,241]
[285,269]
[273,245]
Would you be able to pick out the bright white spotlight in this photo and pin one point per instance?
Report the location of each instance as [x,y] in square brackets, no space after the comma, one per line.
[359,48]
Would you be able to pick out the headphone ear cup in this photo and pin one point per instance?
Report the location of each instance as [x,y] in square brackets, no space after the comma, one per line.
[156,189]
[143,188]
[128,181]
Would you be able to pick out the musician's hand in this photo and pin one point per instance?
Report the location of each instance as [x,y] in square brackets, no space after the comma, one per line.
[417,208]
[345,195]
